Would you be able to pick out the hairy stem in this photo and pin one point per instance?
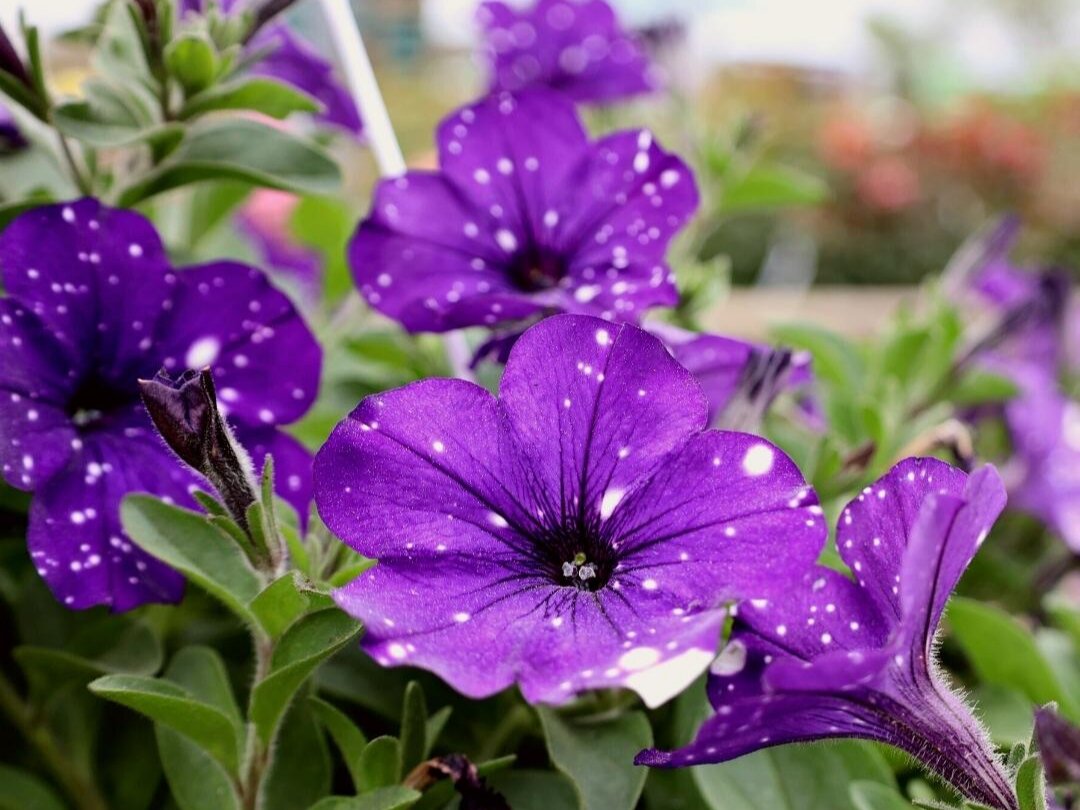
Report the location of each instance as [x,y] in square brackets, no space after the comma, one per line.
[258,764]
[79,787]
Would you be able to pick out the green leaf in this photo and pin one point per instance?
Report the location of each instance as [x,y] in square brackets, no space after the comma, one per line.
[536,790]
[240,149]
[1031,784]
[413,727]
[280,604]
[792,777]
[196,780]
[981,388]
[598,757]
[875,796]
[772,186]
[435,725]
[170,705]
[265,96]
[201,672]
[349,739]
[835,359]
[108,645]
[304,646]
[380,764]
[24,791]
[301,771]
[210,206]
[1003,652]
[130,773]
[192,60]
[189,543]
[1005,712]
[387,798]
[118,51]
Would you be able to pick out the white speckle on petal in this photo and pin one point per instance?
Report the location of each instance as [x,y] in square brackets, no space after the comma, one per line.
[203,352]
[758,459]
[609,501]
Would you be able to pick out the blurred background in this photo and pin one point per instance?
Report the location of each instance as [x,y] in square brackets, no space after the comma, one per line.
[847,142]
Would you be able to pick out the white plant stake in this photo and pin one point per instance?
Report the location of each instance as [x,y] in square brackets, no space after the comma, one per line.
[360,79]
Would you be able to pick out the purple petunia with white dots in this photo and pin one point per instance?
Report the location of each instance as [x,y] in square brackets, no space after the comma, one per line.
[525,217]
[92,305]
[576,47]
[581,530]
[835,656]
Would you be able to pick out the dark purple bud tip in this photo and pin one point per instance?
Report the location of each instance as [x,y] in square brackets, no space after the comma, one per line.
[10,62]
[474,791]
[1059,746]
[185,412]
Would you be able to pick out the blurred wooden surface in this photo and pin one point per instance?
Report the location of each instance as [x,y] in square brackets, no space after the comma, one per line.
[851,311]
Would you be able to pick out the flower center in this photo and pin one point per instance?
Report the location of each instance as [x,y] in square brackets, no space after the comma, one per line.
[577,556]
[536,268]
[96,398]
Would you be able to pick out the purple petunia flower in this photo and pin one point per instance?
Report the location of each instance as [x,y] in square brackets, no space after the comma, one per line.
[582,530]
[842,657]
[93,305]
[1025,343]
[289,58]
[576,47]
[740,379]
[525,217]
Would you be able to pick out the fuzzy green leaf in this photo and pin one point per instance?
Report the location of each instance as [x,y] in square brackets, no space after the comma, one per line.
[380,764]
[240,149]
[261,95]
[177,708]
[349,739]
[304,646]
[598,757]
[189,543]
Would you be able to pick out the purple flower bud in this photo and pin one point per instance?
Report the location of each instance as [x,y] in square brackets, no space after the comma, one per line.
[185,413]
[11,63]
[1059,746]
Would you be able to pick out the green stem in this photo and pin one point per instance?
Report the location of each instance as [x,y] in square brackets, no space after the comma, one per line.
[261,755]
[76,173]
[79,787]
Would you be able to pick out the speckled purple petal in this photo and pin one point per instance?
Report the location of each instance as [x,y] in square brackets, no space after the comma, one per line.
[410,458]
[606,398]
[873,530]
[834,657]
[92,305]
[228,316]
[538,538]
[525,216]
[422,258]
[295,61]
[75,538]
[36,379]
[731,507]
[741,379]
[97,277]
[575,47]
[1045,469]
